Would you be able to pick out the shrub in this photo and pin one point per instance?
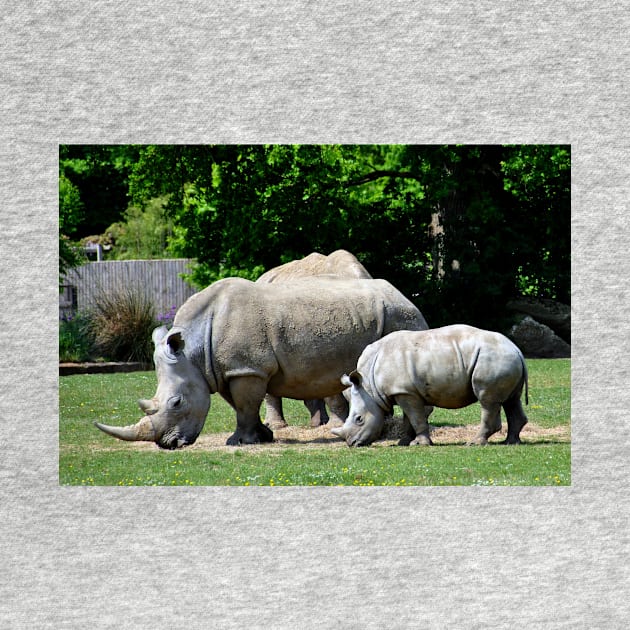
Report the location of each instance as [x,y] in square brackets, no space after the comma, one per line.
[76,342]
[122,322]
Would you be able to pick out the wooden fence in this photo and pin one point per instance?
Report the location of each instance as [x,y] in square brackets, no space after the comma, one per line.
[159,279]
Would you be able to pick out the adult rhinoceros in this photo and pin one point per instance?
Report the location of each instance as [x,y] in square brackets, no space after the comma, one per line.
[242,339]
[338,264]
[449,367]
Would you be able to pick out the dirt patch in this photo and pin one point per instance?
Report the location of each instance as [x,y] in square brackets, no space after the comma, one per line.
[320,437]
[306,438]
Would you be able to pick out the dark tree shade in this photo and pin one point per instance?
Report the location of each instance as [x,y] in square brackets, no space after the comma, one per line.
[459,229]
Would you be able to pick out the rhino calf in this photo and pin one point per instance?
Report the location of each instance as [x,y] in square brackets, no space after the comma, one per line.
[449,367]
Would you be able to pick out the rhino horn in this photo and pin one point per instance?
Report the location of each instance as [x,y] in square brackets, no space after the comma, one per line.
[141,431]
[340,432]
[148,406]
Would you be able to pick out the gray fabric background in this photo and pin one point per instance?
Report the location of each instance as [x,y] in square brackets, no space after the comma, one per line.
[408,72]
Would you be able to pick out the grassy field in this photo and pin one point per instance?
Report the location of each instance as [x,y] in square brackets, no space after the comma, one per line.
[308,457]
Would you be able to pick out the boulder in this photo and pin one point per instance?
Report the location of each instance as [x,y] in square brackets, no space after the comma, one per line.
[538,341]
[551,313]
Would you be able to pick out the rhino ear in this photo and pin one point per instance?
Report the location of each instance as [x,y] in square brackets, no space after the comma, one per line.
[168,343]
[159,334]
[354,378]
[175,341]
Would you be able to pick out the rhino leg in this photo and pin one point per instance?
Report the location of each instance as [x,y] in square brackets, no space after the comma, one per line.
[247,394]
[409,432]
[274,418]
[317,409]
[338,406]
[516,419]
[490,423]
[417,414]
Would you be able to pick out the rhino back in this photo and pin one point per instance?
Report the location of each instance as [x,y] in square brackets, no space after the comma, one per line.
[318,328]
[328,325]
[344,264]
[399,312]
[444,365]
[339,263]
[301,335]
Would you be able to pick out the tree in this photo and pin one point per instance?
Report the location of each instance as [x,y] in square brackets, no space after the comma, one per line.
[460,229]
[472,267]
[539,180]
[495,224]
[70,215]
[143,233]
[100,174]
[238,209]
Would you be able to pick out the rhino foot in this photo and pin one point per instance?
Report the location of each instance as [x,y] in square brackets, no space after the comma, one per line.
[421,440]
[478,441]
[317,409]
[257,435]
[276,425]
[409,432]
[512,440]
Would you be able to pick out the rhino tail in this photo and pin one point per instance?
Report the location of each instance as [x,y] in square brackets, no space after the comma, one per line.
[525,378]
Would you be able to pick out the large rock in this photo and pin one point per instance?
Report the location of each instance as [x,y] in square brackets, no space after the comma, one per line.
[538,341]
[548,312]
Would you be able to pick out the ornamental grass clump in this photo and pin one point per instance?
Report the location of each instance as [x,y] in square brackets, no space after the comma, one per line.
[122,323]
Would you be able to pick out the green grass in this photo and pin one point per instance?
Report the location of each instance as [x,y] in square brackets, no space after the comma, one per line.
[530,465]
[89,457]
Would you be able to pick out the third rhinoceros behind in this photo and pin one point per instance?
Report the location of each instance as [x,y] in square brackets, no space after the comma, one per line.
[450,367]
[340,264]
[242,339]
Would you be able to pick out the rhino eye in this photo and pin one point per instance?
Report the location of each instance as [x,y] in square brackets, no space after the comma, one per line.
[174,402]
[358,420]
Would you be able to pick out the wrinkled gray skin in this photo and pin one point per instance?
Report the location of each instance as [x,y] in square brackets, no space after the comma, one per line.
[338,264]
[242,339]
[450,367]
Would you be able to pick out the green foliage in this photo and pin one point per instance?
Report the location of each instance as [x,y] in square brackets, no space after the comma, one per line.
[260,206]
[70,256]
[70,205]
[539,181]
[459,229]
[70,215]
[143,233]
[236,208]
[204,275]
[100,175]
[501,212]
[88,457]
[122,323]
[76,341]
[92,194]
